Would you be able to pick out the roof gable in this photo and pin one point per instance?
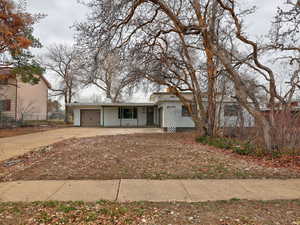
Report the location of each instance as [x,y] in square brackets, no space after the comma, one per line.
[7,73]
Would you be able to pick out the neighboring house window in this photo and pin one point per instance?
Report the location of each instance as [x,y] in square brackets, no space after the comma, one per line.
[185,112]
[5,105]
[232,110]
[127,113]
[4,81]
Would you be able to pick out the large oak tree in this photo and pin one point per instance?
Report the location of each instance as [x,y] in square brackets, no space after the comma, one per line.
[187,44]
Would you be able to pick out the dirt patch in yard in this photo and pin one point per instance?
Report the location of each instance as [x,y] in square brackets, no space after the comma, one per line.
[233,212]
[137,156]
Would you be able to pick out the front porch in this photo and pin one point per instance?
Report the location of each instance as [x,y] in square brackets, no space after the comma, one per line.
[129,116]
[135,115]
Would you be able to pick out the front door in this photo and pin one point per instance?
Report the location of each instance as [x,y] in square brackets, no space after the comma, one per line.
[150,116]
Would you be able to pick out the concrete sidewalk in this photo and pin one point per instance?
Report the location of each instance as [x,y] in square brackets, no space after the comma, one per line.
[149,190]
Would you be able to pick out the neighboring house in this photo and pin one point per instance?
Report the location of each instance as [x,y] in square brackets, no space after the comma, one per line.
[164,110]
[23,101]
[288,116]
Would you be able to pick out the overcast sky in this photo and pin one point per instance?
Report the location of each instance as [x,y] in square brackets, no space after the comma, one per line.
[62,14]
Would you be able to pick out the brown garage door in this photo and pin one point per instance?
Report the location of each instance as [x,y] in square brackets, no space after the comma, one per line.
[90,118]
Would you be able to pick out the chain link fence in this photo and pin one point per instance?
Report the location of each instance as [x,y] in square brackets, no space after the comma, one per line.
[8,122]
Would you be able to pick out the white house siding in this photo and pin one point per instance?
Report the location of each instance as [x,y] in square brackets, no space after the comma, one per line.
[172,116]
[168,97]
[77,117]
[234,121]
[110,116]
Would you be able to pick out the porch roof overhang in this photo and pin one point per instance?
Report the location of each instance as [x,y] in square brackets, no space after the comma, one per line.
[293,109]
[90,105]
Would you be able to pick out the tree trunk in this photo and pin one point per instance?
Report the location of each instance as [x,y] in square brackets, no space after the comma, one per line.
[66,108]
[211,108]
[200,129]
[66,113]
[108,94]
[207,35]
[267,135]
[242,124]
[242,97]
[211,111]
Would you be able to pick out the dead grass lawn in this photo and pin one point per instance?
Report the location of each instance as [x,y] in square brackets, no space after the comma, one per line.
[137,156]
[233,212]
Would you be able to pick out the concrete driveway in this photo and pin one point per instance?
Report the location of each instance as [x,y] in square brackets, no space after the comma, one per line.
[19,145]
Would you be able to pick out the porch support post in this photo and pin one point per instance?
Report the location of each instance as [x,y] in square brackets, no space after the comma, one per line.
[120,109]
[137,116]
[158,117]
[103,111]
[146,111]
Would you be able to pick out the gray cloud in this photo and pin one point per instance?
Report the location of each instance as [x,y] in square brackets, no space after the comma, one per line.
[56,26]
[260,22]
[61,15]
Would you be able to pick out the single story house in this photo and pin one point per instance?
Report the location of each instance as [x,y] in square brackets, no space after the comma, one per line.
[163,110]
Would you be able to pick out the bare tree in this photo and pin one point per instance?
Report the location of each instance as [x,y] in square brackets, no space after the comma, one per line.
[104,67]
[53,106]
[286,39]
[244,57]
[165,45]
[63,61]
[26,109]
[186,45]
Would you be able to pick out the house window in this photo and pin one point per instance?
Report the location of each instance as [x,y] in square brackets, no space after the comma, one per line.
[128,113]
[4,81]
[185,112]
[5,105]
[232,110]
